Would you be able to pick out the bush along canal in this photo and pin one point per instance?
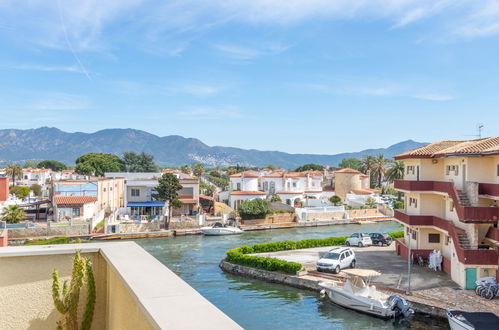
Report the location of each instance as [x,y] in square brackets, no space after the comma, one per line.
[256,304]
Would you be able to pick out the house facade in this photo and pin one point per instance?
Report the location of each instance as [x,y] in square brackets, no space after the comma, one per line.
[451,193]
[139,200]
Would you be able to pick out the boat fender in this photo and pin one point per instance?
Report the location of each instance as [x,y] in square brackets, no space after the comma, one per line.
[322,293]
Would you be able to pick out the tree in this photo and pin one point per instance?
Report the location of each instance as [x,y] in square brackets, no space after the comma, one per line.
[370,203]
[30,163]
[18,191]
[186,169]
[395,171]
[210,190]
[167,190]
[254,209]
[272,167]
[275,198]
[134,162]
[353,163]
[98,163]
[14,171]
[54,165]
[380,167]
[198,169]
[36,189]
[367,166]
[335,200]
[13,214]
[308,167]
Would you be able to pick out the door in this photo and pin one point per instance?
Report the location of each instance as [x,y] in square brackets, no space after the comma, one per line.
[470,278]
[343,260]
[417,172]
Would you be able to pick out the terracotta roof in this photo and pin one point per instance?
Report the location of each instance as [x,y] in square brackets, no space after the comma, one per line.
[75,199]
[364,176]
[289,193]
[188,201]
[362,191]
[347,170]
[248,192]
[245,174]
[486,146]
[206,197]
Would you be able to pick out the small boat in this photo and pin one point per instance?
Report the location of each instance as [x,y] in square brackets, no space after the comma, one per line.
[218,229]
[356,295]
[459,320]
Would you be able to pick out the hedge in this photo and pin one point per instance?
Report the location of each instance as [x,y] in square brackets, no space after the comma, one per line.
[53,240]
[239,255]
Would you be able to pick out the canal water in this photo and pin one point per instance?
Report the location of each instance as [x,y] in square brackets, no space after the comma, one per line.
[254,304]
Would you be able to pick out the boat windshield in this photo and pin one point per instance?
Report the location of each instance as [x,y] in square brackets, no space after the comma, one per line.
[332,255]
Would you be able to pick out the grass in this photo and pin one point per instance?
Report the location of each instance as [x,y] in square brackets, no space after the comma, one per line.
[99,225]
[53,240]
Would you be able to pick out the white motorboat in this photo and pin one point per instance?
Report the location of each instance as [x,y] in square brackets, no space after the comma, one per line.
[356,295]
[218,229]
[459,320]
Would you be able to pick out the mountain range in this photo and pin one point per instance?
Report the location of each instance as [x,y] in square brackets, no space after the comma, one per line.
[51,143]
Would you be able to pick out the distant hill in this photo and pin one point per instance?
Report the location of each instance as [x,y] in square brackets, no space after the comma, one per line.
[173,150]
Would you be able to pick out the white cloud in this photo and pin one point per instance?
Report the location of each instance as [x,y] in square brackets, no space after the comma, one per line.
[210,113]
[48,68]
[96,25]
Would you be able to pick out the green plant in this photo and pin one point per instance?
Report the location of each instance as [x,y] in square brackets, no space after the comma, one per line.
[19,191]
[99,225]
[66,299]
[13,214]
[397,234]
[335,200]
[36,189]
[275,198]
[398,205]
[50,241]
[167,190]
[254,209]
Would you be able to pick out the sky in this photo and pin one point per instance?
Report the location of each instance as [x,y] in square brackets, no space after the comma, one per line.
[300,76]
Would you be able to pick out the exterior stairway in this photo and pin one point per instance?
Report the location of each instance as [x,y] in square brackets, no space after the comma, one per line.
[464,241]
[463,198]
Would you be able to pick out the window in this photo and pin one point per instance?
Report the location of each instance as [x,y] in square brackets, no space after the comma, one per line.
[342,256]
[76,211]
[238,186]
[294,184]
[104,189]
[410,169]
[433,238]
[413,202]
[451,206]
[447,240]
[135,192]
[414,236]
[452,168]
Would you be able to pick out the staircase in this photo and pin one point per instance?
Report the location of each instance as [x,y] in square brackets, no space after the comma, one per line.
[464,241]
[463,198]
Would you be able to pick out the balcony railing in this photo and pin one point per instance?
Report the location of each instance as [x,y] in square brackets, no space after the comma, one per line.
[493,233]
[490,189]
[471,214]
[465,256]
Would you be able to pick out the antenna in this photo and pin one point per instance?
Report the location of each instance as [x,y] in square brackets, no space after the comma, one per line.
[479,128]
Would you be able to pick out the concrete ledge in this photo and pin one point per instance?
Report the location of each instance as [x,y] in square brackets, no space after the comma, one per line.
[166,301]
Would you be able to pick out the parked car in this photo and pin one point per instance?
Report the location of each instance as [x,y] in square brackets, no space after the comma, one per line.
[381,239]
[336,259]
[359,239]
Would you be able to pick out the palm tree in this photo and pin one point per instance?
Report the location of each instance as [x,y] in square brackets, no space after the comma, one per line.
[396,171]
[367,166]
[14,171]
[13,214]
[380,167]
[186,169]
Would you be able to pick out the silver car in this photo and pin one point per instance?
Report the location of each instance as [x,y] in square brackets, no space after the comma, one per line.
[359,239]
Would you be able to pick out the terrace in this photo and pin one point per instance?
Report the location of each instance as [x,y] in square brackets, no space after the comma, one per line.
[134,290]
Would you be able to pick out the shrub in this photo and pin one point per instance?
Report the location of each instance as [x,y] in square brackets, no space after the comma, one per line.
[239,255]
[398,205]
[254,209]
[53,240]
[18,191]
[397,234]
[36,189]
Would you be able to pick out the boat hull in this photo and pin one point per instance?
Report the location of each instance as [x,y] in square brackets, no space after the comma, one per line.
[221,231]
[360,304]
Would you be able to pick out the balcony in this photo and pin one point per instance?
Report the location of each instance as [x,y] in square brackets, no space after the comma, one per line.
[467,214]
[493,233]
[133,289]
[465,256]
[490,189]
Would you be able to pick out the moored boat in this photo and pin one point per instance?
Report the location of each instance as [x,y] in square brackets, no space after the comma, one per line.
[356,295]
[218,229]
[459,320]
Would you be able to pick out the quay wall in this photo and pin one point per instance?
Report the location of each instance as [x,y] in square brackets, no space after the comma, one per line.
[128,228]
[70,230]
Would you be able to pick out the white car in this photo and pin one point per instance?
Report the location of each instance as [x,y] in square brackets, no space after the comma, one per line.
[359,239]
[336,259]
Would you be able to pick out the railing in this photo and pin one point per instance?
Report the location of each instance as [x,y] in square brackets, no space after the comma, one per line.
[465,213]
[466,256]
[490,189]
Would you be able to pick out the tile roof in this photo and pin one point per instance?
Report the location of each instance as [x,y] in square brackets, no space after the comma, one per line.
[247,174]
[347,170]
[486,146]
[75,199]
[362,191]
[248,192]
